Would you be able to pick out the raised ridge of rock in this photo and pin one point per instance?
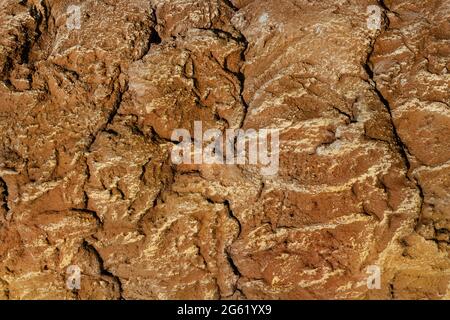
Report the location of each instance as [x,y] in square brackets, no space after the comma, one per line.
[86,174]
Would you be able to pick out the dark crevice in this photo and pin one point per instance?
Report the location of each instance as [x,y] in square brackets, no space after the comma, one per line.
[112,132]
[422,203]
[230,260]
[350,117]
[232,216]
[6,290]
[233,265]
[230,4]
[110,118]
[227,252]
[227,206]
[392,289]
[369,70]
[7,67]
[155,37]
[383,5]
[4,195]
[241,78]
[104,128]
[31,37]
[403,149]
[104,271]
[37,16]
[158,139]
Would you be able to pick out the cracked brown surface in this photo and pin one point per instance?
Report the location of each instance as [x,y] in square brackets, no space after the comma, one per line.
[86,177]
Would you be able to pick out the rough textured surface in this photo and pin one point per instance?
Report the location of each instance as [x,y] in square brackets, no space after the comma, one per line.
[86,178]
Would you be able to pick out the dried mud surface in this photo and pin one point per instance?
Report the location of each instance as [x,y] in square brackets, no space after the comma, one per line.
[86,177]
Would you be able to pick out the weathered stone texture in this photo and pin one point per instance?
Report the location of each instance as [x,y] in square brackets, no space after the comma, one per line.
[86,176]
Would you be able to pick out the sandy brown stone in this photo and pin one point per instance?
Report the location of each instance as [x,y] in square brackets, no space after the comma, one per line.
[87,178]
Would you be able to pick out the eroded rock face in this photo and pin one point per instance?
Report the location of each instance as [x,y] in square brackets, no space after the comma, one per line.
[87,179]
[411,69]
